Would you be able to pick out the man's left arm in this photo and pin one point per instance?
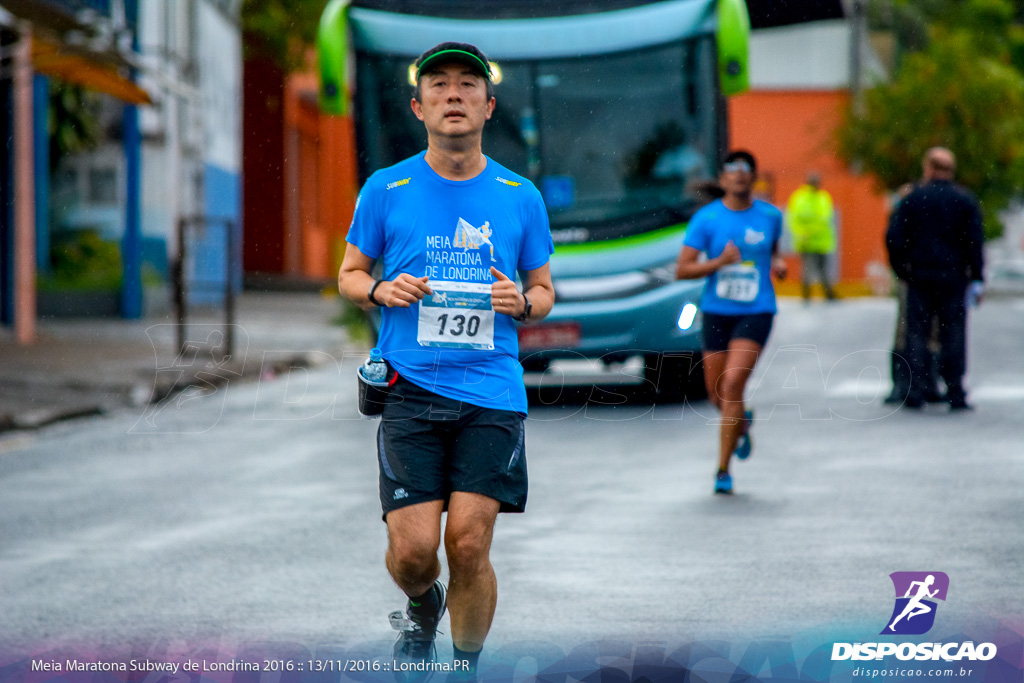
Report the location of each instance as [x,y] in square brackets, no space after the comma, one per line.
[537,287]
[538,295]
[896,241]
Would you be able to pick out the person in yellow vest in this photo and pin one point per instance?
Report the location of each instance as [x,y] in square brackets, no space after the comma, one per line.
[811,221]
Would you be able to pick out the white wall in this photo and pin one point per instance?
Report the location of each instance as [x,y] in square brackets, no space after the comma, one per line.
[811,56]
[220,81]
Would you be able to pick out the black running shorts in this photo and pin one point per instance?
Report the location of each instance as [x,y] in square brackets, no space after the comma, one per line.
[429,446]
[719,330]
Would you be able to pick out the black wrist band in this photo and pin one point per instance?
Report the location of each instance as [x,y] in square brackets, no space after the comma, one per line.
[527,309]
[373,289]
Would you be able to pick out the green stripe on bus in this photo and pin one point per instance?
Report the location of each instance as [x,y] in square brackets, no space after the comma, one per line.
[620,243]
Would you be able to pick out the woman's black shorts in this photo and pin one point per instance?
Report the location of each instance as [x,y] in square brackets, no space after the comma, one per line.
[719,330]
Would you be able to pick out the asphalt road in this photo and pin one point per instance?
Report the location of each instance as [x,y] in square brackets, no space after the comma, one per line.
[251,513]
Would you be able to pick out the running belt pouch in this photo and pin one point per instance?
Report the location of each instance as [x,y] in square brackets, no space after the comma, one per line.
[373,396]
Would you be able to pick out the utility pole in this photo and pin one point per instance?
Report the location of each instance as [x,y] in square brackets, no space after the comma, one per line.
[24,192]
[858,30]
[131,242]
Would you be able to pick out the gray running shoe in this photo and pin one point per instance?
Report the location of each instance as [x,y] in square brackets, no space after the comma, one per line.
[415,652]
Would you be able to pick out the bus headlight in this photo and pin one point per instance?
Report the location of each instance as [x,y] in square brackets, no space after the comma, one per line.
[496,74]
[686,316]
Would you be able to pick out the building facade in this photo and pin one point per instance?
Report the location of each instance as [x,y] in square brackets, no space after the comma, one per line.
[165,84]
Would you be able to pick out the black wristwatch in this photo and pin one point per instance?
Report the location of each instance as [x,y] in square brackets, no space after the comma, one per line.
[527,310]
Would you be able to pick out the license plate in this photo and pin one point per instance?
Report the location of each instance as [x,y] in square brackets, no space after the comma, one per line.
[554,336]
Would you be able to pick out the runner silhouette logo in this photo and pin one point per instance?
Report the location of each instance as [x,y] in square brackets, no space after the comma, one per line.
[916,595]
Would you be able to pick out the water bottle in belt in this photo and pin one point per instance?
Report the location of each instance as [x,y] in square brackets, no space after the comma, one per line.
[375,370]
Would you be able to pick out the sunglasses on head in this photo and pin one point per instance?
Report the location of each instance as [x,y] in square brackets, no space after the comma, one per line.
[738,165]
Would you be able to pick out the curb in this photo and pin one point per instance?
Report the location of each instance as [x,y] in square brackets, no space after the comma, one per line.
[40,417]
[139,394]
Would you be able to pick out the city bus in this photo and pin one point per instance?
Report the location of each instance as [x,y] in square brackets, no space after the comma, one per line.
[614,109]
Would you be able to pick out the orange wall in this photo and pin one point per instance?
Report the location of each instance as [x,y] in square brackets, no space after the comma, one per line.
[339,184]
[793,132]
[322,166]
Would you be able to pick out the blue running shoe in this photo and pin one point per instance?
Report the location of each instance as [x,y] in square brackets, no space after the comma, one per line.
[723,482]
[744,445]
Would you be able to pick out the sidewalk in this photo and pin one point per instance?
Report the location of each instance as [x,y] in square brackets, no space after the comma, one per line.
[85,366]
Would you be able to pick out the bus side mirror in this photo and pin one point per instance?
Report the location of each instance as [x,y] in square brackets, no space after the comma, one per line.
[332,57]
[733,38]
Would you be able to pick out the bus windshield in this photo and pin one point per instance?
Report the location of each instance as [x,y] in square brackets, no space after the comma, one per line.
[616,143]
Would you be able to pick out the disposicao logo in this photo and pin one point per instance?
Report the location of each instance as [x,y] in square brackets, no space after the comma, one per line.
[913,615]
[916,593]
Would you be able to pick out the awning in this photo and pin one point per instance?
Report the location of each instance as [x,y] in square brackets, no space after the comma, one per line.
[100,70]
[73,66]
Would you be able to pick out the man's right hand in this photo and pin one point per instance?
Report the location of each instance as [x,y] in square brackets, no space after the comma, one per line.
[975,293]
[403,291]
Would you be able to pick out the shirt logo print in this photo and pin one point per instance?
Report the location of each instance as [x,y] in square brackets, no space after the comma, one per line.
[469,237]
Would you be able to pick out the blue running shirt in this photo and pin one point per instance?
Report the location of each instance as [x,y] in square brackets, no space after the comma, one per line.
[745,287]
[453,343]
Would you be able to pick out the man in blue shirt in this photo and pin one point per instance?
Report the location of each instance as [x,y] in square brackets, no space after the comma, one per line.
[452,227]
[740,236]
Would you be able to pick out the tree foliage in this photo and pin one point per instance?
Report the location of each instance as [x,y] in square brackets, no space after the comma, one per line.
[997,25]
[74,123]
[280,30]
[963,89]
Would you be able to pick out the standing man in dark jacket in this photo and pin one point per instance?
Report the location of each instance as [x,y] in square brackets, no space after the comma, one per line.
[935,243]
